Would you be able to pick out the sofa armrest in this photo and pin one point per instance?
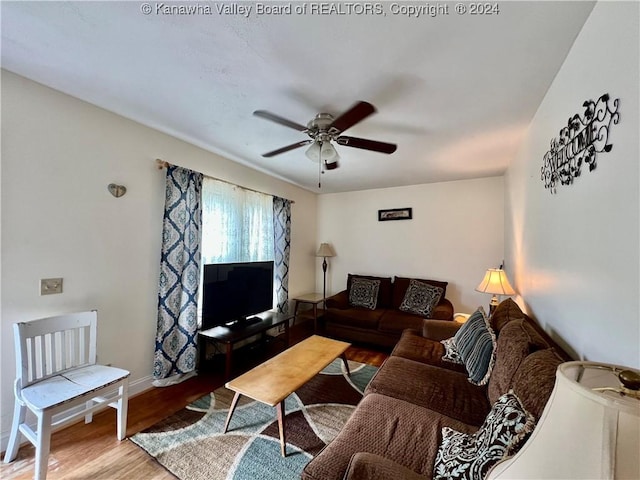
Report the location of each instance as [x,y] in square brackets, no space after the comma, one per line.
[339,300]
[367,466]
[443,311]
[439,329]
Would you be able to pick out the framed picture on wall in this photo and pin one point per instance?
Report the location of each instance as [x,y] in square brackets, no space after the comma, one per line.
[395,214]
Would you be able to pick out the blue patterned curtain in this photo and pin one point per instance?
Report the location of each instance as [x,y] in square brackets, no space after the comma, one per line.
[176,336]
[282,244]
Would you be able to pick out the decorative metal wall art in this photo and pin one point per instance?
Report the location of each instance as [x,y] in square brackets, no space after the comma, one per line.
[116,190]
[579,142]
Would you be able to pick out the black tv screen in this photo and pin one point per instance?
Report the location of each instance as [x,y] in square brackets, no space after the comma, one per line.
[234,291]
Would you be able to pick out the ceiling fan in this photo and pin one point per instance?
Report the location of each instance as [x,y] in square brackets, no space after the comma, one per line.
[324,129]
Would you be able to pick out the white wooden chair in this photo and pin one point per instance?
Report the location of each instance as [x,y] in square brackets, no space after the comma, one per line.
[57,376]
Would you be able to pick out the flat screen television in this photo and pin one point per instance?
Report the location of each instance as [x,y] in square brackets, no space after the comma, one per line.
[232,292]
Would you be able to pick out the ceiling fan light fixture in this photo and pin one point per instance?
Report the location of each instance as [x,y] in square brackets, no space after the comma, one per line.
[323,130]
[328,152]
[313,152]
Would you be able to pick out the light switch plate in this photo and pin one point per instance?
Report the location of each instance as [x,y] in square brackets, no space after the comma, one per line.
[50,286]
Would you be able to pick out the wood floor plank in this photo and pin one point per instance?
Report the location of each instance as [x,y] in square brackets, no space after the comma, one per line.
[92,451]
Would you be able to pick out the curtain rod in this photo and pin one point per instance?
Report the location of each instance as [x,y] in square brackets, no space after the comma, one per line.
[162,164]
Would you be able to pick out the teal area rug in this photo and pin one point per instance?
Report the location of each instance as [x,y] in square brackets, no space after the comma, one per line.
[191,446]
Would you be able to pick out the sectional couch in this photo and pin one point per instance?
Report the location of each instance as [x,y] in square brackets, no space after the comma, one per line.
[384,324]
[397,428]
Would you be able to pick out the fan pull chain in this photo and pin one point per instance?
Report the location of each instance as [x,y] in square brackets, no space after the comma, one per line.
[319,171]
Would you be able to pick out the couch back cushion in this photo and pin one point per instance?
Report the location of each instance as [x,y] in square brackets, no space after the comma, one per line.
[401,284]
[533,382]
[505,312]
[384,291]
[516,341]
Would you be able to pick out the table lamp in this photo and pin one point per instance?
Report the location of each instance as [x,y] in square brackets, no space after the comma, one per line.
[495,281]
[589,429]
[325,251]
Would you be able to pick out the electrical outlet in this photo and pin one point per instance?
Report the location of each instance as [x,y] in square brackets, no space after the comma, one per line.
[50,286]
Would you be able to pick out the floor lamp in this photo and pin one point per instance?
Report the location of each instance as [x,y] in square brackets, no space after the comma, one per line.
[325,251]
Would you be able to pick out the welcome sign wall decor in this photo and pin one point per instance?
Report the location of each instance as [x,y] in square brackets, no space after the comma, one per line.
[579,142]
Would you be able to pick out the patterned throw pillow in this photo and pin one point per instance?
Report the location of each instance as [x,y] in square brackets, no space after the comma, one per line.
[504,431]
[420,298]
[364,293]
[476,345]
[450,351]
[466,331]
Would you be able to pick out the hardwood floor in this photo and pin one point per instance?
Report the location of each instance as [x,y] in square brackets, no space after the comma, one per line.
[93,452]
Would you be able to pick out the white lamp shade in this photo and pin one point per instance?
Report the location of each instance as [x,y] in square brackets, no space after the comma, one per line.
[325,250]
[328,152]
[313,152]
[495,281]
[582,433]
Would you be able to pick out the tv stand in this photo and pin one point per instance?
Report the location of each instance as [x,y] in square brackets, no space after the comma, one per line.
[241,330]
[242,323]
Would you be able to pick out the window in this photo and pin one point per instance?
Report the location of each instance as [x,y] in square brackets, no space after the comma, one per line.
[237,224]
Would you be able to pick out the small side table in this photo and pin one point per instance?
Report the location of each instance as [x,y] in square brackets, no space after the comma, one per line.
[311,298]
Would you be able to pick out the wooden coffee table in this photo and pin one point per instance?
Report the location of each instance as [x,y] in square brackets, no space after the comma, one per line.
[277,378]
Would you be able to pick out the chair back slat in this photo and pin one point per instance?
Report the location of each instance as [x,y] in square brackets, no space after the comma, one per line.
[30,360]
[53,352]
[79,340]
[67,347]
[48,346]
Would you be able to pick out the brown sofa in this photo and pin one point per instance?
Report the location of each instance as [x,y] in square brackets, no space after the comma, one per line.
[384,325]
[396,429]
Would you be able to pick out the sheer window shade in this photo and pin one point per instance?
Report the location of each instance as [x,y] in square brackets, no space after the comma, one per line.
[237,224]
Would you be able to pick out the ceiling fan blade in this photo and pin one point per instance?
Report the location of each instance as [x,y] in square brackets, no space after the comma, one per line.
[287,148]
[365,144]
[355,114]
[277,119]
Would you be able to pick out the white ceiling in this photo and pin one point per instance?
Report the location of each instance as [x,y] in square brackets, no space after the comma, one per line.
[455,92]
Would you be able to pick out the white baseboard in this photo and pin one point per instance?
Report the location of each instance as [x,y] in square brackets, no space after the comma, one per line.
[140,386]
[135,388]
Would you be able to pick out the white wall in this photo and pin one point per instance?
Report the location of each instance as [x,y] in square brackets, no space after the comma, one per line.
[456,233]
[58,220]
[574,256]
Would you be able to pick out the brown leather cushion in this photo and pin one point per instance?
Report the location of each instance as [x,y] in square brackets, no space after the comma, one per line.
[376,467]
[355,317]
[517,339]
[443,391]
[414,346]
[384,293]
[395,321]
[443,311]
[400,285]
[505,312]
[535,379]
[397,430]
